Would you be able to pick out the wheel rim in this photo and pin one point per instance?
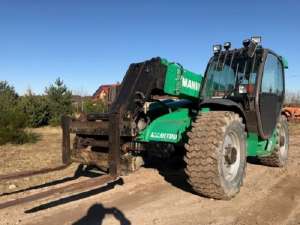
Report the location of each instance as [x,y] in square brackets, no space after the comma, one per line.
[231,159]
[283,142]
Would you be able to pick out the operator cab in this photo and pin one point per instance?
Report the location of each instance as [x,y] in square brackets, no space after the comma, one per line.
[251,79]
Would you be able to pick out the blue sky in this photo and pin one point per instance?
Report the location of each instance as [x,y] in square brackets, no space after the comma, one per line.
[88,43]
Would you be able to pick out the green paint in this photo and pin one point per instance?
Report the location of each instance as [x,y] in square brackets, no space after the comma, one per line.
[285,62]
[205,110]
[181,82]
[167,128]
[171,127]
[170,103]
[258,147]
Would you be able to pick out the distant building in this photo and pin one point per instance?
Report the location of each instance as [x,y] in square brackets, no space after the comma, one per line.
[78,102]
[103,92]
[78,99]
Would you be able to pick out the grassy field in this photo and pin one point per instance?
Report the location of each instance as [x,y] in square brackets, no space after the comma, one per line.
[46,152]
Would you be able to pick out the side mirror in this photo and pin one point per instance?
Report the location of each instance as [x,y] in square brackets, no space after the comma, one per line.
[284,62]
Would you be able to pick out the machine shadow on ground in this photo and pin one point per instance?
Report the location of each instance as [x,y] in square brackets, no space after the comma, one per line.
[253,160]
[172,170]
[76,197]
[85,171]
[80,172]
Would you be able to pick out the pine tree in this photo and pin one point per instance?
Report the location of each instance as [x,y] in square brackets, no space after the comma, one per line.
[59,100]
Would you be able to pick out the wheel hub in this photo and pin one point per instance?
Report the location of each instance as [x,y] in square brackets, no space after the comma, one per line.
[282,140]
[230,155]
[283,143]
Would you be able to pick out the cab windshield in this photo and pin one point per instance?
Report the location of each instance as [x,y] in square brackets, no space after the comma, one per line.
[229,72]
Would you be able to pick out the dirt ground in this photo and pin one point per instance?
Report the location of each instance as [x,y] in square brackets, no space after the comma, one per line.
[150,195]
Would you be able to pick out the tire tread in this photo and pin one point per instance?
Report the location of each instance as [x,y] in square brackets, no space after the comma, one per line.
[205,137]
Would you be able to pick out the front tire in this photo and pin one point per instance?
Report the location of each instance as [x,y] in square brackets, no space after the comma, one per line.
[216,154]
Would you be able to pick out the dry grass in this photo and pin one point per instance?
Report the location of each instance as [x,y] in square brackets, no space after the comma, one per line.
[45,153]
[294,129]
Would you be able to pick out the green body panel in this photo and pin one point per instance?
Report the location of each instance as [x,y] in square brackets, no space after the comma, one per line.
[258,147]
[181,82]
[172,126]
[167,128]
[204,110]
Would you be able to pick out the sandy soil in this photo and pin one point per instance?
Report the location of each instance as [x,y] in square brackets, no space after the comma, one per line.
[157,196]
[45,153]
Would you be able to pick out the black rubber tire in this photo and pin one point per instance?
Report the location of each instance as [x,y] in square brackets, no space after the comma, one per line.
[277,159]
[204,154]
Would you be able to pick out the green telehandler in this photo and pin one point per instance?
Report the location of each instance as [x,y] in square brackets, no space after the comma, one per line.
[216,121]
[231,112]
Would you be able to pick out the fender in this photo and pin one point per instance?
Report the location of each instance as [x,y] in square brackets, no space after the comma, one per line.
[219,104]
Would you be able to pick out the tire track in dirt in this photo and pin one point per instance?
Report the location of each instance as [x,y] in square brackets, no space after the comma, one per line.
[269,196]
[155,201]
[276,207]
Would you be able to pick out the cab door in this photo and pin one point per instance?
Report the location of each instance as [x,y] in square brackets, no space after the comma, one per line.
[271,94]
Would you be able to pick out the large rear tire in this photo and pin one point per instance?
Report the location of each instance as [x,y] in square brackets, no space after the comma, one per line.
[279,156]
[216,154]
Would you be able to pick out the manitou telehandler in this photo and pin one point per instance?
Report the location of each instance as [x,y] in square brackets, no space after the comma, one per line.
[233,111]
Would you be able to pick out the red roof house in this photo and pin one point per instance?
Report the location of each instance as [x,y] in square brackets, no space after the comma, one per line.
[103,92]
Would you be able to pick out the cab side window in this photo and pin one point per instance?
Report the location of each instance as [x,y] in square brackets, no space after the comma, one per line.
[272,81]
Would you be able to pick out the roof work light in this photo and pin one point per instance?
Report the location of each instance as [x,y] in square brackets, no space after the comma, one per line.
[217,48]
[246,43]
[256,39]
[227,45]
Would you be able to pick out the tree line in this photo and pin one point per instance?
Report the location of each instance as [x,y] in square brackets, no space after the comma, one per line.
[17,113]
[30,111]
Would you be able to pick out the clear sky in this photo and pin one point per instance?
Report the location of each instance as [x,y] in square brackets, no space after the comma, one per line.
[88,43]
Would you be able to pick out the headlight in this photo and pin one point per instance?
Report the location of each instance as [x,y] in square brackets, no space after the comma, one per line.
[227,46]
[246,43]
[217,48]
[256,39]
[242,89]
